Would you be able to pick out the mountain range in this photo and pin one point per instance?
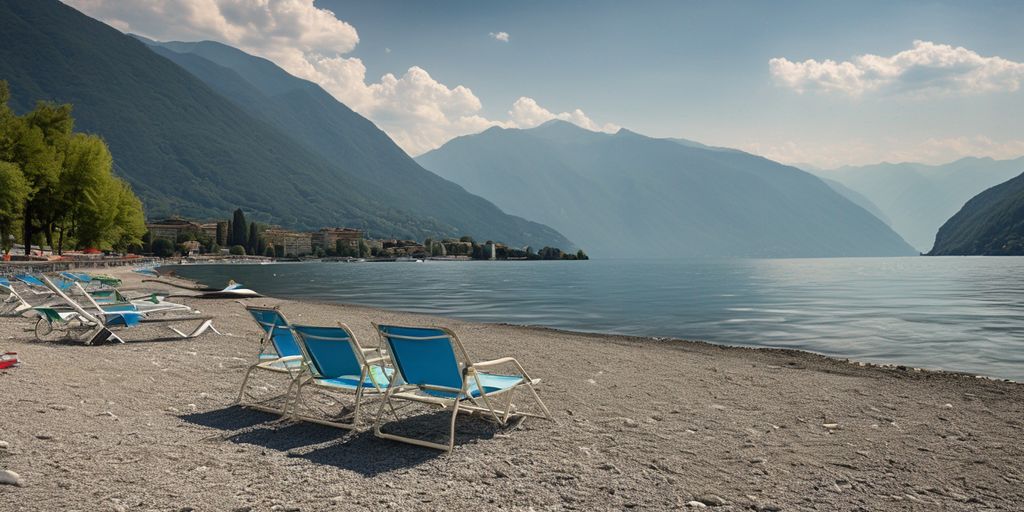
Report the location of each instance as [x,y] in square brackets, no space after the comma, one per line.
[916,199]
[991,223]
[626,194]
[201,129]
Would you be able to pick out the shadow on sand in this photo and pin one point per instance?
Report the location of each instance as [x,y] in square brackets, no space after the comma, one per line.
[357,451]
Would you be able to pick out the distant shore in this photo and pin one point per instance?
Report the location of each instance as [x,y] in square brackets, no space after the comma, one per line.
[643,423]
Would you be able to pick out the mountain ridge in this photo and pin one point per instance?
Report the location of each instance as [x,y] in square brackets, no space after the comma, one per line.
[560,171]
[990,223]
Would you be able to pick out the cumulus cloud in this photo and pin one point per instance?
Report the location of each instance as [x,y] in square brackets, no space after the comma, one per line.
[526,113]
[925,69]
[417,111]
[935,150]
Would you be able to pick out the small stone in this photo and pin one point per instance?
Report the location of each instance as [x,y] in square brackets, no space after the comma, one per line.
[767,507]
[630,422]
[500,474]
[242,509]
[830,426]
[948,406]
[711,500]
[4,445]
[695,504]
[186,509]
[8,477]
[44,437]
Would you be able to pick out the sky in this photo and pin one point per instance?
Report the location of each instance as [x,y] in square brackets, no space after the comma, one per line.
[820,84]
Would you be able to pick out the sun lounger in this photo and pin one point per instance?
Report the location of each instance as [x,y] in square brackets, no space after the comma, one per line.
[13,304]
[38,287]
[334,362]
[279,353]
[95,327]
[432,367]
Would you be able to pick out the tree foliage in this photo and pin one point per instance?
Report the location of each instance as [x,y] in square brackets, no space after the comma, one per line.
[59,184]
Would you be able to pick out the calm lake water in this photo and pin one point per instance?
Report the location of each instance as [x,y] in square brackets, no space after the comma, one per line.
[963,314]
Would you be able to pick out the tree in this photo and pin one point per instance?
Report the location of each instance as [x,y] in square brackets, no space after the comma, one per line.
[237,250]
[269,252]
[253,240]
[238,229]
[364,250]
[220,237]
[163,248]
[580,255]
[13,193]
[66,185]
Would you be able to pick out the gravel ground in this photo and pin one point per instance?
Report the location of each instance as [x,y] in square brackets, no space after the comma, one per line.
[641,424]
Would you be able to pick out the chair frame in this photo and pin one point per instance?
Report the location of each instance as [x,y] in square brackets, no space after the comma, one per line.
[398,388]
[293,371]
[311,376]
[14,303]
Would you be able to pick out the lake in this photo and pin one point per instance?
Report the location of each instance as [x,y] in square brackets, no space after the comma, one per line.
[955,313]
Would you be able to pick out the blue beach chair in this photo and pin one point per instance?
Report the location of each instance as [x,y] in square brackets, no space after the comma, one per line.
[335,362]
[36,286]
[279,354]
[13,304]
[432,367]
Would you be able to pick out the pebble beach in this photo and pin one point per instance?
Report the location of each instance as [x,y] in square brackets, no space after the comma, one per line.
[641,424]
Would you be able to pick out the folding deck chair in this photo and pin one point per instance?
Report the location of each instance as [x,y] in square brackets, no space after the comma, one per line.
[38,287]
[334,361]
[432,367]
[279,354]
[95,328]
[14,303]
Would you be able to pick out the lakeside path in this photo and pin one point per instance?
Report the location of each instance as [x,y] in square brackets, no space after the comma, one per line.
[643,424]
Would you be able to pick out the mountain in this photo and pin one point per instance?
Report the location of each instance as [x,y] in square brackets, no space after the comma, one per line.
[856,198]
[630,195]
[918,198]
[991,223]
[188,149]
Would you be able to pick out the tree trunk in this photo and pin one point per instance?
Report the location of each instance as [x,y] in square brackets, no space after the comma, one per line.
[28,228]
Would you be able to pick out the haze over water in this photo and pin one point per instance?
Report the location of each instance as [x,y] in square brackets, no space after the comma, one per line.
[963,314]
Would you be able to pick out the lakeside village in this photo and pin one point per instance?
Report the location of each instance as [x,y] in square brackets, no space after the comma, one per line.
[237,239]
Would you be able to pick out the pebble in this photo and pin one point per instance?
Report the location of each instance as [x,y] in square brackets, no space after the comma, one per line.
[8,477]
[630,422]
[948,406]
[4,445]
[695,504]
[711,500]
[830,426]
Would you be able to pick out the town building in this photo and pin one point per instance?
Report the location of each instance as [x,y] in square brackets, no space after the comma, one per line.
[328,238]
[294,243]
[170,229]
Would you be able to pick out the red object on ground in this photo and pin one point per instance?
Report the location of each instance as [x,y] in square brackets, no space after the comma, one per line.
[8,360]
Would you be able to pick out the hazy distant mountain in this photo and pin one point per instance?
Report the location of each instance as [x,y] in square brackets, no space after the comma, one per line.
[857,198]
[991,223]
[918,198]
[187,149]
[630,195]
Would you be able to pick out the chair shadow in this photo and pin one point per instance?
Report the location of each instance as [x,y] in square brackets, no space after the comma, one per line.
[357,451]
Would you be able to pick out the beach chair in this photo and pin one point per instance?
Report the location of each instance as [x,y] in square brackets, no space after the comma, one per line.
[334,362]
[38,287]
[95,327]
[14,303]
[279,354]
[432,367]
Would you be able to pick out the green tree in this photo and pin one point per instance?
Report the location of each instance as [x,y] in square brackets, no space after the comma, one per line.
[269,252]
[13,192]
[253,240]
[163,248]
[237,250]
[364,249]
[580,255]
[238,228]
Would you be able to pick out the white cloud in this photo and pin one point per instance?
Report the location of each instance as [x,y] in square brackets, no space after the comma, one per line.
[938,150]
[526,113]
[417,111]
[926,69]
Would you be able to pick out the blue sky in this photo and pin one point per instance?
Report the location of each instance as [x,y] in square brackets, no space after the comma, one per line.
[664,68]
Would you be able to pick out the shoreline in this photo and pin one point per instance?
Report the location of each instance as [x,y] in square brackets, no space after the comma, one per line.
[637,338]
[642,424]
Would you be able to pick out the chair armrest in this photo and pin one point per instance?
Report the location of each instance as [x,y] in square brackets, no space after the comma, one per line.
[288,359]
[496,362]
